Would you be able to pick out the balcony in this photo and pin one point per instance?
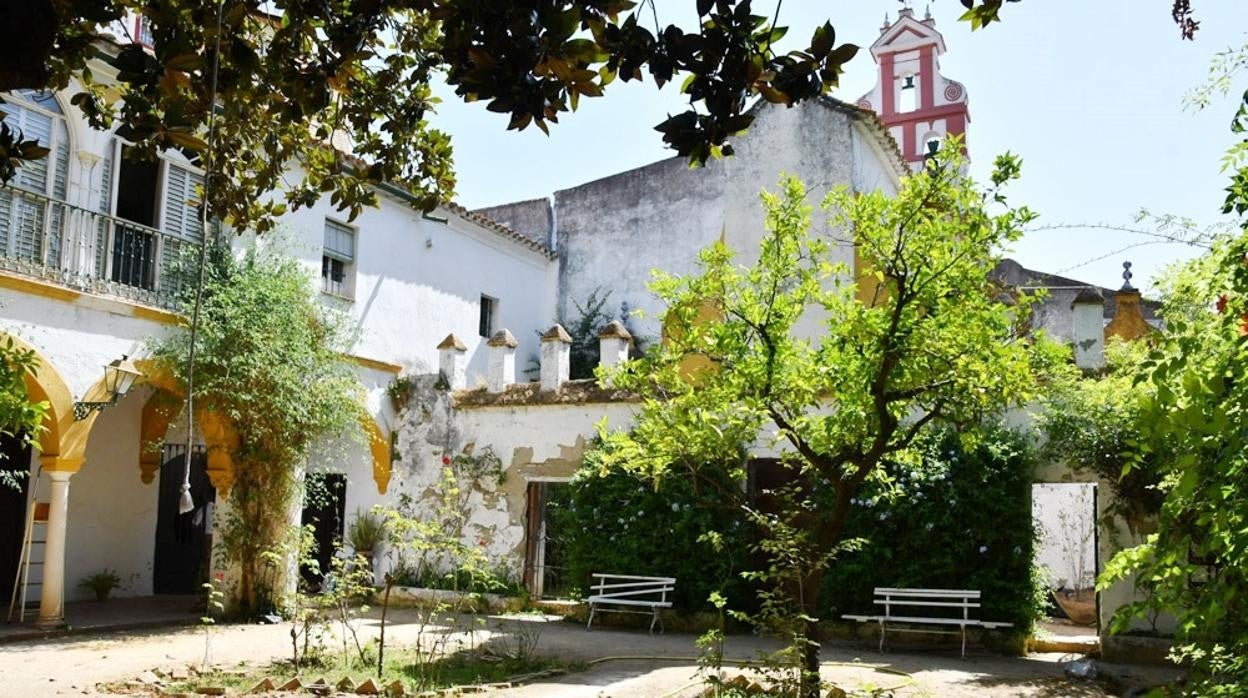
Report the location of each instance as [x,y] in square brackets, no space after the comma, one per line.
[88,251]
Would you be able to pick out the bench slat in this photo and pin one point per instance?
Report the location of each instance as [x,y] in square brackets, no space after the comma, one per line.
[640,592]
[669,580]
[635,585]
[942,604]
[629,602]
[943,593]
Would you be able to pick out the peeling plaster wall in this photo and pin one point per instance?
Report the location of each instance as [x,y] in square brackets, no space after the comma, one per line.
[533,442]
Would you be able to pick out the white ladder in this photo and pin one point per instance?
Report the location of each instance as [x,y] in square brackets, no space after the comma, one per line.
[36,515]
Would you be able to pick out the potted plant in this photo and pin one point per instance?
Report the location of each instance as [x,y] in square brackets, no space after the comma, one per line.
[102,583]
[365,534]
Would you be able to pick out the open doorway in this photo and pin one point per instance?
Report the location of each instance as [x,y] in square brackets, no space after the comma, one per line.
[544,558]
[134,247]
[1066,521]
[182,558]
[325,509]
[14,491]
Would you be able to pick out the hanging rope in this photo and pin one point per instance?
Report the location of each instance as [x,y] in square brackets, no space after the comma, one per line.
[187,503]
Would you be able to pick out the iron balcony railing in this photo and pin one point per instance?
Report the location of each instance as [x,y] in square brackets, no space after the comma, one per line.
[87,250]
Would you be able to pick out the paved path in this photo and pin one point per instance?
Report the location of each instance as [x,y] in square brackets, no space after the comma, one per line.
[73,666]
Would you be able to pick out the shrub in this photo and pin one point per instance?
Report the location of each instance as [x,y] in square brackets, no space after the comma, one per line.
[958,518]
[622,524]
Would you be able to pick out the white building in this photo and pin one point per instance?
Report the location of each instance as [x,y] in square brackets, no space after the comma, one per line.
[87,237]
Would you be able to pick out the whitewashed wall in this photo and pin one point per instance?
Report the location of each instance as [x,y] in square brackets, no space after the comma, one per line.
[1065,515]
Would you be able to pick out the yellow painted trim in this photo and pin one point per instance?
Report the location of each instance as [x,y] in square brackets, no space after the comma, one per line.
[61,465]
[164,317]
[45,384]
[158,412]
[376,364]
[37,288]
[379,447]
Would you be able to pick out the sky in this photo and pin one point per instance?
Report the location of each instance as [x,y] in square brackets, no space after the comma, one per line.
[1090,94]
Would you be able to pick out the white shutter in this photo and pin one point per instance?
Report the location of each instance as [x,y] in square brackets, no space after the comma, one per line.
[107,168]
[339,241]
[181,215]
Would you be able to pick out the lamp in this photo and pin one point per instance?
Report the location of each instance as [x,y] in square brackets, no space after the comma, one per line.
[119,375]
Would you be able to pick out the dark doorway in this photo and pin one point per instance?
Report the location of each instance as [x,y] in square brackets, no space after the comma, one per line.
[544,564]
[14,486]
[134,249]
[183,541]
[325,508]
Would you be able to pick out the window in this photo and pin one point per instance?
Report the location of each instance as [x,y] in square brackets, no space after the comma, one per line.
[489,308]
[908,101]
[338,260]
[30,225]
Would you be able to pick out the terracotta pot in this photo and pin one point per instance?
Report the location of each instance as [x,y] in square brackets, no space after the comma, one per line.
[1079,606]
[101,594]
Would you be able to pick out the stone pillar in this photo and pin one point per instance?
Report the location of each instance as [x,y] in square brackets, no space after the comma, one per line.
[52,595]
[451,362]
[502,368]
[556,357]
[613,343]
[1088,329]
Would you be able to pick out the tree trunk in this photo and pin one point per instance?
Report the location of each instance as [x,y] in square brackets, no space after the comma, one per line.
[809,687]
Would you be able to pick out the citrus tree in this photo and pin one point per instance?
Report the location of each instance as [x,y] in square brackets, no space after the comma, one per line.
[735,375]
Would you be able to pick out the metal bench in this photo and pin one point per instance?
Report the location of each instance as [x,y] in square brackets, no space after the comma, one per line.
[891,598]
[624,593]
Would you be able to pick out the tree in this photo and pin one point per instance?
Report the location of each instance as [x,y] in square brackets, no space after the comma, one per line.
[932,343]
[269,361]
[20,417]
[981,13]
[292,77]
[1196,565]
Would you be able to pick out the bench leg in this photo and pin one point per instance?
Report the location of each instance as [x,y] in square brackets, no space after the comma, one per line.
[882,631]
[964,642]
[654,618]
[590,624]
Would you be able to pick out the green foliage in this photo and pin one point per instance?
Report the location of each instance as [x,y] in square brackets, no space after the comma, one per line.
[958,516]
[20,417]
[930,344]
[1093,424]
[618,522]
[475,465]
[366,532]
[318,74]
[590,319]
[101,582]
[1196,565]
[269,360]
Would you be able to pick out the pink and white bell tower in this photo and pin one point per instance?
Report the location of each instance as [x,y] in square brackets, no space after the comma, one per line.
[919,105]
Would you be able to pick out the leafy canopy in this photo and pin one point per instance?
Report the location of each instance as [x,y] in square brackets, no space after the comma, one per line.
[295,76]
[269,361]
[784,354]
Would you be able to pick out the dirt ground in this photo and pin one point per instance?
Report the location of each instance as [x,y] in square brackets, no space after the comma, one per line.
[621,663]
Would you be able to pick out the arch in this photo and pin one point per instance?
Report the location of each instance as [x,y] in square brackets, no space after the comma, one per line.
[379,447]
[45,384]
[158,413]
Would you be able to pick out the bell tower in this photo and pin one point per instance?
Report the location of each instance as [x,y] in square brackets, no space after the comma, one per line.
[920,106]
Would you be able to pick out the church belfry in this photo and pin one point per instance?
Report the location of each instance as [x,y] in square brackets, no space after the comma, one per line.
[919,105]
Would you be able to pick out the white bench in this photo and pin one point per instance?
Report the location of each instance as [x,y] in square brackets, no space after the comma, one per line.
[892,598]
[625,593]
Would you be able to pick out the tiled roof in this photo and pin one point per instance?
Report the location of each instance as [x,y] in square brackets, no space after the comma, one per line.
[495,226]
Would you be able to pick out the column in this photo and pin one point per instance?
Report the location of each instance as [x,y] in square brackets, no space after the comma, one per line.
[52,599]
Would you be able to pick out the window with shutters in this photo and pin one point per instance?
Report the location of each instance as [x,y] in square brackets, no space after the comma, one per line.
[338,260]
[32,212]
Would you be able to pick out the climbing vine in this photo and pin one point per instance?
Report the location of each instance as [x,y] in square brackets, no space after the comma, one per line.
[269,364]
